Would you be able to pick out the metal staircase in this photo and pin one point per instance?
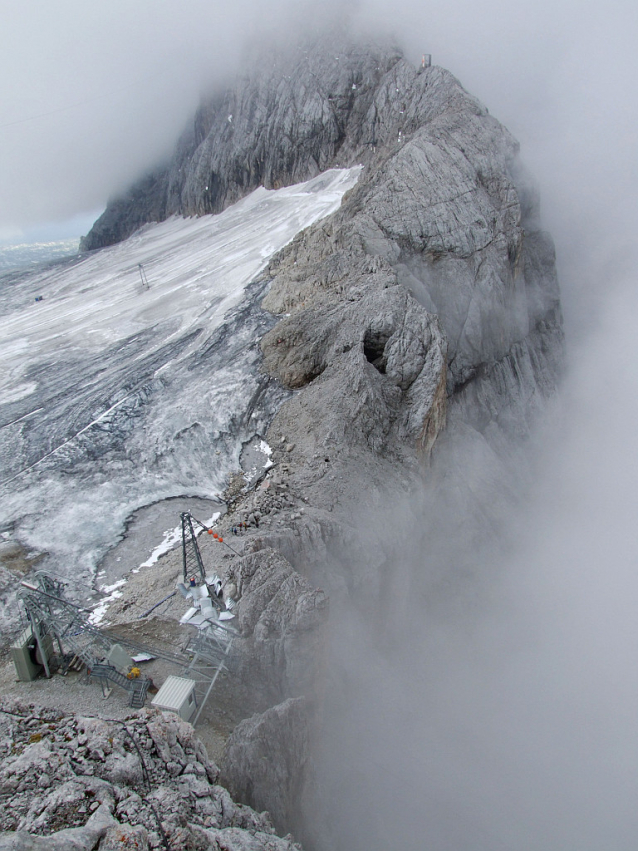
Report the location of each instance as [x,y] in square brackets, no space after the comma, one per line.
[136,687]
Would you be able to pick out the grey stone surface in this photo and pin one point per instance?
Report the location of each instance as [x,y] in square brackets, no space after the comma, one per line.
[266,757]
[450,218]
[109,786]
[282,621]
[85,838]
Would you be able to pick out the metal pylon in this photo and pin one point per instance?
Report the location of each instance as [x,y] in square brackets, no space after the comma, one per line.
[191,557]
[51,615]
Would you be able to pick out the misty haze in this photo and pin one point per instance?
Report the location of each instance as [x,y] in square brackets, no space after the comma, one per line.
[318,366]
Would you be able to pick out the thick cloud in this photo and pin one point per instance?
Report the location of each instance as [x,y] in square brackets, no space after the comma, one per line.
[91,94]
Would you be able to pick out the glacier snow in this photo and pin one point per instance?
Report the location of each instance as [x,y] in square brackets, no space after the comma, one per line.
[114,395]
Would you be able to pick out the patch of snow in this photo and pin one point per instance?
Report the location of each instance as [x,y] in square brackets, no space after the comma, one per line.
[107,589]
[172,537]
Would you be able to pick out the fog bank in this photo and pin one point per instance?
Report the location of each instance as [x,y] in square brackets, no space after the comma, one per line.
[496,708]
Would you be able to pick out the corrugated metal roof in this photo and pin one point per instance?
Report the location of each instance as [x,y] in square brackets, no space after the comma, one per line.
[173,693]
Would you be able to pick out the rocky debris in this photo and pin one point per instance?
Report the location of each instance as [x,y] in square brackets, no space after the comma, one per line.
[71,782]
[265,760]
[282,621]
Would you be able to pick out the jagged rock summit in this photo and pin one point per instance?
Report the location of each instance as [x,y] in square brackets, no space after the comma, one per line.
[288,119]
[444,208]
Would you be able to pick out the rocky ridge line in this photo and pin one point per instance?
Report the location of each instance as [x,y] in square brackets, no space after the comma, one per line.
[84,783]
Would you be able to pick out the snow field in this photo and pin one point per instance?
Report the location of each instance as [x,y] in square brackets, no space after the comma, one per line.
[114,396]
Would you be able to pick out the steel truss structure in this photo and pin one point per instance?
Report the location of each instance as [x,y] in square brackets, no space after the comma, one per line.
[56,621]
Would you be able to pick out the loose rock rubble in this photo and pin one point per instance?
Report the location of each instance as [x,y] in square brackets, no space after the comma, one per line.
[72,782]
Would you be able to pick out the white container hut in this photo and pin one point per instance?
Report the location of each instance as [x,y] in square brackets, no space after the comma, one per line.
[177,695]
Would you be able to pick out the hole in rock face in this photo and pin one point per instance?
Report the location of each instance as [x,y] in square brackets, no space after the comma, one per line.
[373,349]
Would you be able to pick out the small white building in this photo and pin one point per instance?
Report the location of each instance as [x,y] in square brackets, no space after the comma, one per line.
[177,695]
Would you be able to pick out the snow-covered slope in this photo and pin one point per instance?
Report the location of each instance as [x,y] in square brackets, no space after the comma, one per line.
[114,395]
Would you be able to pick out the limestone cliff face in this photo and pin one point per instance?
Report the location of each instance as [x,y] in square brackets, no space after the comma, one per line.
[435,270]
[444,217]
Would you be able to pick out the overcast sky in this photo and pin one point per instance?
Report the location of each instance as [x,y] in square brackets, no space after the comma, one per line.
[92,94]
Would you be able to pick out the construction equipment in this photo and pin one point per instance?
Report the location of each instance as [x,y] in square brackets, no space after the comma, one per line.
[177,695]
[211,649]
[213,640]
[60,634]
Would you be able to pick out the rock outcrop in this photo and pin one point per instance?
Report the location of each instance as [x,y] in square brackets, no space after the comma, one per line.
[444,218]
[69,782]
[266,759]
[281,621]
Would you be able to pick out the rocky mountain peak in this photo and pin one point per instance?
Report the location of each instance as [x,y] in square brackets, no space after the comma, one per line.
[286,119]
[420,318]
